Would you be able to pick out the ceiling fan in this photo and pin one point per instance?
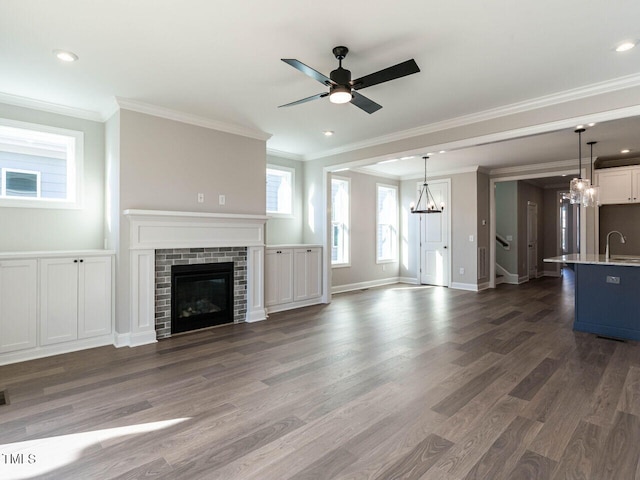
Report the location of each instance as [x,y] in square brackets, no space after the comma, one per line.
[342,89]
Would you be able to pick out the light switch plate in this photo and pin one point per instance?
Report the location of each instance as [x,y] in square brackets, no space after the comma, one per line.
[614,280]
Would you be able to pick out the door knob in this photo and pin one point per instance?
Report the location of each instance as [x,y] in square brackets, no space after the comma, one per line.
[445,247]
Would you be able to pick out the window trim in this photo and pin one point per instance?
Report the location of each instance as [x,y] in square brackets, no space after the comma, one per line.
[75,169]
[396,256]
[3,187]
[348,239]
[292,171]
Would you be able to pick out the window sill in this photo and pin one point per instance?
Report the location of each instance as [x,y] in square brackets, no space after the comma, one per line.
[340,265]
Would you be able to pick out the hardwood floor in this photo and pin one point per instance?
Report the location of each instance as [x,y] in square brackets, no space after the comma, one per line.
[400,382]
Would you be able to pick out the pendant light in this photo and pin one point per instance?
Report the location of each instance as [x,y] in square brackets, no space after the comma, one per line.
[428,205]
[578,185]
[592,194]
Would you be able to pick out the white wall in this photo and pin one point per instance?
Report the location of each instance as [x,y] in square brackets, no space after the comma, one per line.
[33,229]
[507,224]
[288,230]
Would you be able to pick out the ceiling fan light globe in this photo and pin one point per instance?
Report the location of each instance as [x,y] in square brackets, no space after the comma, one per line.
[340,95]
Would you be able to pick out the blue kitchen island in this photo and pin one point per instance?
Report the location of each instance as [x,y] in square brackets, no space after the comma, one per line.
[607,294]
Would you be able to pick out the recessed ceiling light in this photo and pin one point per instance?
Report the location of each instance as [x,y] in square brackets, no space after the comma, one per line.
[388,161]
[579,126]
[564,175]
[623,47]
[327,133]
[626,150]
[430,153]
[591,124]
[442,151]
[407,158]
[65,55]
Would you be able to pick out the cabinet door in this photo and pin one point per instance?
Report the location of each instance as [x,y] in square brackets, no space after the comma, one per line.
[615,186]
[58,300]
[285,275]
[18,320]
[94,296]
[270,277]
[307,273]
[636,185]
[314,272]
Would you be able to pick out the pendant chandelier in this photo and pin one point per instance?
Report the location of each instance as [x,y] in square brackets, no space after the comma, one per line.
[426,201]
[591,197]
[579,185]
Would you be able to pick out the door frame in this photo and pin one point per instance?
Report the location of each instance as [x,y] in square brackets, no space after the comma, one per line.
[529,205]
[492,213]
[418,243]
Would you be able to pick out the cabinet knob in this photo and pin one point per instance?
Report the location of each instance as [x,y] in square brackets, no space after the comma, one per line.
[75,261]
[279,251]
[81,260]
[309,250]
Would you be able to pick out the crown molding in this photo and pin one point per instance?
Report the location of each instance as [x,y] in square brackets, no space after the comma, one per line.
[41,105]
[600,88]
[435,175]
[534,167]
[177,116]
[281,154]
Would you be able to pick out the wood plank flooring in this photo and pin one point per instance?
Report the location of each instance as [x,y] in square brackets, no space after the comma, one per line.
[399,382]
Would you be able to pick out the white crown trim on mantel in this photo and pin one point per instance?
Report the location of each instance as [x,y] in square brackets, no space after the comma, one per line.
[177,116]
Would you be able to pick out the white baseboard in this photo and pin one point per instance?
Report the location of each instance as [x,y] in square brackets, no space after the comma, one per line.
[134,339]
[470,287]
[523,279]
[256,316]
[360,285]
[57,349]
[483,286]
[409,280]
[292,305]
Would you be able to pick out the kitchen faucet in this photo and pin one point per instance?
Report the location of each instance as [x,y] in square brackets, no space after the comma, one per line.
[623,239]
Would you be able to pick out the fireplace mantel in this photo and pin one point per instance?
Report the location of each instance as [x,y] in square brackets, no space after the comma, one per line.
[168,229]
[151,230]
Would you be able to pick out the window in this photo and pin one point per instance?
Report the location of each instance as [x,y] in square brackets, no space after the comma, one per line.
[280,181]
[40,166]
[387,223]
[340,192]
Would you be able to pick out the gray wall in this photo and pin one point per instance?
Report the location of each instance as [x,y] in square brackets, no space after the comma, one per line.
[507,224]
[288,230]
[164,164]
[33,229]
[363,233]
[625,219]
[551,209]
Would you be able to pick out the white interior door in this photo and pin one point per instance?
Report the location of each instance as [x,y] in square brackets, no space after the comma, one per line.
[532,239]
[434,238]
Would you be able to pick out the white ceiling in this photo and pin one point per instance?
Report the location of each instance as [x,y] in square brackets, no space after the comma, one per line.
[221,61]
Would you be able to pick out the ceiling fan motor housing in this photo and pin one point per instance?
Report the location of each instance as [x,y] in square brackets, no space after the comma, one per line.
[341,76]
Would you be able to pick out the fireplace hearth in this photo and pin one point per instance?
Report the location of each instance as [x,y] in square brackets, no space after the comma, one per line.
[202,296]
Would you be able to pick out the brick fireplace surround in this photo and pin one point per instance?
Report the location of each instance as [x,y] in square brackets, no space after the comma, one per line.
[200,237]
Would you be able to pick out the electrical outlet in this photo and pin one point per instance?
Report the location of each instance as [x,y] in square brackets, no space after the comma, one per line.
[471,238]
[201,198]
[509,238]
[384,268]
[461,270]
[222,199]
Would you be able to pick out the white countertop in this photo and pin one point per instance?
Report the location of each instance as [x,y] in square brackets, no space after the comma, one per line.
[592,259]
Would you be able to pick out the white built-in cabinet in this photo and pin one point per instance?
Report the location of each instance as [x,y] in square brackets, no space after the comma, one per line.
[75,298]
[54,302]
[18,293]
[293,276]
[619,185]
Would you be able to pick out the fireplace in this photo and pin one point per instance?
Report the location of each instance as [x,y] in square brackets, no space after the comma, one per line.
[202,296]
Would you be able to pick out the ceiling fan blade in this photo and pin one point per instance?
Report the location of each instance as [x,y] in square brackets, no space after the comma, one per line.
[304,100]
[308,71]
[364,103]
[391,73]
